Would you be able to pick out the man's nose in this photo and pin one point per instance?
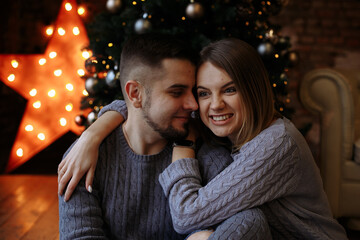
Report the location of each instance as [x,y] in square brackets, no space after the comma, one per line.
[190,103]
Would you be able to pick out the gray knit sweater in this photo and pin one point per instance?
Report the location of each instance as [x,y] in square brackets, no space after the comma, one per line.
[275,171]
[127,201]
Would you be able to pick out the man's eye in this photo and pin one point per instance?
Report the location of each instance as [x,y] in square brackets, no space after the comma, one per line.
[202,94]
[230,90]
[176,93]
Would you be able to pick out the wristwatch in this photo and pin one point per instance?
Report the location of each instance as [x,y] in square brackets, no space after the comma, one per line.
[184,143]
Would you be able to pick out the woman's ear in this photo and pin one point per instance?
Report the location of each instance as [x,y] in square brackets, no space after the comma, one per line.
[133,91]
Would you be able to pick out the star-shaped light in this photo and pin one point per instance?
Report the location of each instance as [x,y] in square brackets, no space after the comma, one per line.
[51,84]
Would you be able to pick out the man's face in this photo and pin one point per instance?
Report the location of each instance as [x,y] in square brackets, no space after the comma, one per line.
[170,100]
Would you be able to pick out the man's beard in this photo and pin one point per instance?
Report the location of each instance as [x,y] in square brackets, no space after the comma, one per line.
[169,133]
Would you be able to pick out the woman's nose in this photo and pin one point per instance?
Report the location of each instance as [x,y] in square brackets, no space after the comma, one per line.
[217,103]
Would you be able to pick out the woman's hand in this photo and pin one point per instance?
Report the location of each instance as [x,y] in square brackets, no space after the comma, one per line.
[201,235]
[82,158]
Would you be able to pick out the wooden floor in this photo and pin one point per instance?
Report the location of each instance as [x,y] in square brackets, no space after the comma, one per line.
[28,207]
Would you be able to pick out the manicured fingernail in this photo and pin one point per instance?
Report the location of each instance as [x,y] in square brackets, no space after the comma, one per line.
[89,189]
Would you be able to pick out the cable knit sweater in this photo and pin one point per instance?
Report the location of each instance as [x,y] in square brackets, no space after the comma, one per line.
[275,171]
[128,202]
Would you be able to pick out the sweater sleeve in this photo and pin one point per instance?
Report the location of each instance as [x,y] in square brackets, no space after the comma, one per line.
[81,216]
[116,105]
[263,170]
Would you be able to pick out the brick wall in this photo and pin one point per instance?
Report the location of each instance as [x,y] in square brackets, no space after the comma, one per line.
[326,33]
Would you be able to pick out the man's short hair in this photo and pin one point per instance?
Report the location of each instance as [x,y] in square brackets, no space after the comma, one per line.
[143,54]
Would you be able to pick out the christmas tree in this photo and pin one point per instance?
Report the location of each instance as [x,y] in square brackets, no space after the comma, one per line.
[200,21]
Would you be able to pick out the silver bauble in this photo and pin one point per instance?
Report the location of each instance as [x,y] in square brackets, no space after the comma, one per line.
[90,84]
[113,5]
[195,10]
[142,26]
[92,116]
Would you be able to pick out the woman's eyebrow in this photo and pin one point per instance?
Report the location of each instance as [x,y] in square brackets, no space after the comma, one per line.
[223,86]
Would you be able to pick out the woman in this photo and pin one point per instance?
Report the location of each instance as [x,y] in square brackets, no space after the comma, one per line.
[273,168]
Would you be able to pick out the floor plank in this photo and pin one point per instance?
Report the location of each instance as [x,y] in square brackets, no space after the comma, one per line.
[31,210]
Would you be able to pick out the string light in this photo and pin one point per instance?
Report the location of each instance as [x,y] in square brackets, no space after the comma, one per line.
[58,72]
[11,77]
[52,93]
[52,55]
[85,93]
[14,63]
[42,61]
[68,7]
[81,10]
[37,104]
[41,136]
[49,31]
[62,122]
[69,107]
[69,87]
[61,31]
[85,54]
[76,31]
[110,44]
[80,72]
[29,128]
[33,92]
[20,152]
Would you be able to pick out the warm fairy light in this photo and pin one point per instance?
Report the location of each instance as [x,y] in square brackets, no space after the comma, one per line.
[260,12]
[52,55]
[29,128]
[81,72]
[276,55]
[110,57]
[62,122]
[58,72]
[69,107]
[41,136]
[183,18]
[134,3]
[76,31]
[49,31]
[85,93]
[281,109]
[85,54]
[37,104]
[33,92]
[61,31]
[274,84]
[68,7]
[14,63]
[19,152]
[285,82]
[52,93]
[81,10]
[110,44]
[11,77]
[42,61]
[69,87]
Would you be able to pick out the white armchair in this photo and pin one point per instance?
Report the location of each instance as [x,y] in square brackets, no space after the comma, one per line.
[335,96]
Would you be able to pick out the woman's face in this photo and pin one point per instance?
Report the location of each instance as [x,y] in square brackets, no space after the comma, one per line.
[219,101]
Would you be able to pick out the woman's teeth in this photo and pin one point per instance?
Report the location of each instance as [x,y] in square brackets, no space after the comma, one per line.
[221,118]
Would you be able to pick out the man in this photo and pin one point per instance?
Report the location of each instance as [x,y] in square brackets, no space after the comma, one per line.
[127,201]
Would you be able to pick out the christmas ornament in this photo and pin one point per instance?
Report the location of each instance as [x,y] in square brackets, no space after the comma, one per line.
[92,116]
[51,85]
[195,10]
[113,5]
[80,120]
[142,25]
[112,78]
[293,58]
[265,49]
[93,64]
[90,85]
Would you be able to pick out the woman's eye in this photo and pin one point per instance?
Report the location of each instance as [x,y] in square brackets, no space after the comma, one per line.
[230,90]
[202,94]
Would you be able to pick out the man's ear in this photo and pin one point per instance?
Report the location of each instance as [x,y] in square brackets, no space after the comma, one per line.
[133,91]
